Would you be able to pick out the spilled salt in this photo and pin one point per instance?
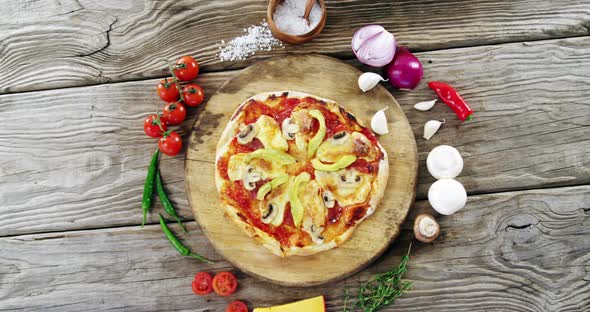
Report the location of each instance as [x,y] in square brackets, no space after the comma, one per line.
[256,38]
[288,17]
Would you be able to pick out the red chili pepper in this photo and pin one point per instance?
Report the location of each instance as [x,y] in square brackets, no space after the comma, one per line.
[452,98]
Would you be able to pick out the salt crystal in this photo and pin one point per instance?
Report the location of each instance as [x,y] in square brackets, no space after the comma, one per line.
[288,17]
[257,38]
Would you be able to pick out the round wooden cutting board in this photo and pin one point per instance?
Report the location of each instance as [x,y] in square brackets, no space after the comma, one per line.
[328,78]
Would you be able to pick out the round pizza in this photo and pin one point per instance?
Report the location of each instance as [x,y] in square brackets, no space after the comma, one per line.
[297,172]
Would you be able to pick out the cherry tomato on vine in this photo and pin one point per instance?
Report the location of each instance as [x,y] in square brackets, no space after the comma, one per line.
[174,113]
[237,306]
[151,125]
[193,94]
[225,283]
[186,68]
[168,91]
[202,283]
[170,144]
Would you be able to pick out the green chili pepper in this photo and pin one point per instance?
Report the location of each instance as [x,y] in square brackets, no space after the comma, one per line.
[183,250]
[148,188]
[166,202]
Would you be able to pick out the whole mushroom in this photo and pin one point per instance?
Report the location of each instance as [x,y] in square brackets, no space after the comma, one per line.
[425,228]
[444,162]
[447,196]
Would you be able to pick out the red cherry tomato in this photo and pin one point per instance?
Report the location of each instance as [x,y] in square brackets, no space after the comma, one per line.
[193,94]
[186,68]
[225,283]
[202,283]
[168,91]
[237,306]
[151,127]
[170,144]
[174,113]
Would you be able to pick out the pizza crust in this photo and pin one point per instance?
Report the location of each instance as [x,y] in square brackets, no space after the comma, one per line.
[376,194]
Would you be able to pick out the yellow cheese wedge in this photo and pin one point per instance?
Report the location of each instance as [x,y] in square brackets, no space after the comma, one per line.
[315,304]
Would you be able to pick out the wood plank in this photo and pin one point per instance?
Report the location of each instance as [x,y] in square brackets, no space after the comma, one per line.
[48,44]
[76,158]
[519,251]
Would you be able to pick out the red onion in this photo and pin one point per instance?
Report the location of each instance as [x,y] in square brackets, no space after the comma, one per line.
[373,45]
[405,71]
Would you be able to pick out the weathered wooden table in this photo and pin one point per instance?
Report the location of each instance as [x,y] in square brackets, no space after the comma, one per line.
[77,77]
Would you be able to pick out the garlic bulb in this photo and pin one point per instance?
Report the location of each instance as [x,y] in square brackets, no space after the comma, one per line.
[379,122]
[424,106]
[368,81]
[431,127]
[447,196]
[444,162]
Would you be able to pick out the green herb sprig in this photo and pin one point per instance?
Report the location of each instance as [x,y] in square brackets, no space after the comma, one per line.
[382,289]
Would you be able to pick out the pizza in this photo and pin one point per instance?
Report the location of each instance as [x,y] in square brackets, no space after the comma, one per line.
[298,172]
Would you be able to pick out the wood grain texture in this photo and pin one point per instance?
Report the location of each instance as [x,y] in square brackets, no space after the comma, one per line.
[321,76]
[518,251]
[76,158]
[48,44]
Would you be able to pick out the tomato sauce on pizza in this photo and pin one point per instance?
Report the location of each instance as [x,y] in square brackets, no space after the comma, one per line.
[298,172]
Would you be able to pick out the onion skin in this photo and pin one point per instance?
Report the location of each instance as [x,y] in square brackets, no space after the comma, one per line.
[405,71]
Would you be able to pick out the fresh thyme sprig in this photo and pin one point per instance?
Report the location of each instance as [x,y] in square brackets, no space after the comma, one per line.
[382,289]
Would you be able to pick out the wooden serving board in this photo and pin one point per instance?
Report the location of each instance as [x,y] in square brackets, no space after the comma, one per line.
[325,77]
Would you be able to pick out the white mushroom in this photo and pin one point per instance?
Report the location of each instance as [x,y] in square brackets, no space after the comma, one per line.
[349,178]
[425,228]
[316,234]
[444,162]
[289,129]
[247,133]
[250,178]
[268,212]
[339,138]
[328,199]
[447,196]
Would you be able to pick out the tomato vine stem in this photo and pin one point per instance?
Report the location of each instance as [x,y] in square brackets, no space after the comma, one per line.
[171,69]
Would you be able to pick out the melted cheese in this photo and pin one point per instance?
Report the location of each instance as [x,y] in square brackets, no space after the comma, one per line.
[269,133]
[238,165]
[315,211]
[345,194]
[280,197]
[355,143]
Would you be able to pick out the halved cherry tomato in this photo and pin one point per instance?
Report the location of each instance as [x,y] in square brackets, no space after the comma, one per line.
[168,91]
[186,68]
[151,126]
[237,306]
[174,113]
[225,283]
[202,283]
[193,94]
[170,144]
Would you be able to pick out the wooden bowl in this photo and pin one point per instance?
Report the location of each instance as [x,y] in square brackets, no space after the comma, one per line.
[289,38]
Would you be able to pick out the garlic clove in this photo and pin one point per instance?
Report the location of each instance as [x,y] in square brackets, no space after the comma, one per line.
[444,162]
[431,127]
[447,196]
[379,122]
[424,106]
[368,81]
